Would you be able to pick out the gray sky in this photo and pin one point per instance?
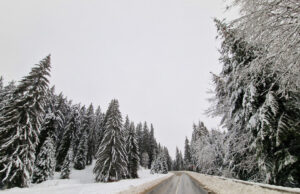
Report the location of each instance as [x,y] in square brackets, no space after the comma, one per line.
[153,55]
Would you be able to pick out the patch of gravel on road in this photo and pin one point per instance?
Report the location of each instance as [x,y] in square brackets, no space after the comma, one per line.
[221,185]
[146,186]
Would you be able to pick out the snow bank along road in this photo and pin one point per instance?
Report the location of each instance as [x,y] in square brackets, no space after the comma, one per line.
[179,183]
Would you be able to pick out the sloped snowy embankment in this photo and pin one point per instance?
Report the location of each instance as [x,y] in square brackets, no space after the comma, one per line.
[222,185]
[82,182]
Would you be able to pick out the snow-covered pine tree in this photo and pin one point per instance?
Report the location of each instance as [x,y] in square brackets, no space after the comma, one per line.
[45,162]
[139,134]
[60,105]
[126,127]
[210,153]
[178,163]
[275,25]
[256,110]
[187,154]
[91,135]
[19,126]
[111,164]
[199,131]
[163,164]
[65,170]
[98,129]
[79,130]
[277,139]
[6,94]
[168,158]
[80,157]
[132,152]
[145,146]
[231,86]
[67,139]
[152,145]
[52,120]
[159,165]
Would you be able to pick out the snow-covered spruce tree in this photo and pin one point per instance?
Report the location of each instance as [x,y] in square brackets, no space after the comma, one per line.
[178,163]
[199,131]
[111,164]
[126,127]
[139,134]
[276,130]
[152,145]
[61,105]
[98,129]
[256,111]
[67,139]
[145,146]
[91,135]
[210,153]
[65,170]
[168,158]
[80,157]
[52,120]
[19,127]
[159,165]
[45,162]
[6,94]
[231,86]
[79,130]
[275,25]
[187,154]
[132,152]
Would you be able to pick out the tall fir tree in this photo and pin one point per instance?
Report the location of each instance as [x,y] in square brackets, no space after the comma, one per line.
[132,152]
[111,164]
[20,124]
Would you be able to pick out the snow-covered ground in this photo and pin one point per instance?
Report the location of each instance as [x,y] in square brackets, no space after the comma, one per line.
[222,185]
[82,182]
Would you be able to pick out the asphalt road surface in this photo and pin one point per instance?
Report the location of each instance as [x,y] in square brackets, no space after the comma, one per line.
[180,183]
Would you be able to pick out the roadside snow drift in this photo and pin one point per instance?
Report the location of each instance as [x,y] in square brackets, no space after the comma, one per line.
[83,182]
[222,185]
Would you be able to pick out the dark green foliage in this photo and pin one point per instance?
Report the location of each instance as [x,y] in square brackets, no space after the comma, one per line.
[19,126]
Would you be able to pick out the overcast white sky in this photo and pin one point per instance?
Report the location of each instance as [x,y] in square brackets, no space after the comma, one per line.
[153,55]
